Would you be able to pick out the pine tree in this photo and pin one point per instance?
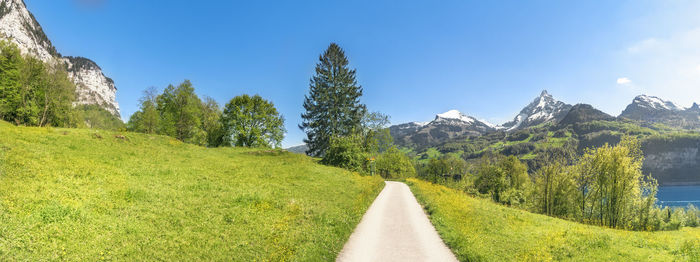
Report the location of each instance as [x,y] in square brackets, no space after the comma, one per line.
[333,107]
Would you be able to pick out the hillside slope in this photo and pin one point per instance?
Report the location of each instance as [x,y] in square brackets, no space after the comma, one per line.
[479,230]
[78,194]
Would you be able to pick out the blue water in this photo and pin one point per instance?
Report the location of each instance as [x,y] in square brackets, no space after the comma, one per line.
[679,196]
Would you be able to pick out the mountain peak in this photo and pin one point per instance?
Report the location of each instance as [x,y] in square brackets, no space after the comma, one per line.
[543,108]
[455,114]
[653,102]
[581,113]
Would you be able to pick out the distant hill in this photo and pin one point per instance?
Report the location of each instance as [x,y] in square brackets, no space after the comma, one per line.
[651,109]
[445,126]
[582,113]
[300,149]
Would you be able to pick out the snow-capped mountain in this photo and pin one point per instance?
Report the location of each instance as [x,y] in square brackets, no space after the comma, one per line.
[652,109]
[450,124]
[654,103]
[543,109]
[695,108]
[19,26]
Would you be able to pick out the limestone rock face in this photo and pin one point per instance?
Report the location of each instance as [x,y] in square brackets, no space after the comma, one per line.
[19,26]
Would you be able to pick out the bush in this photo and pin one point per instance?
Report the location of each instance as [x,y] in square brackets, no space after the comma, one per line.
[692,219]
[394,164]
[444,169]
[94,116]
[346,152]
[504,178]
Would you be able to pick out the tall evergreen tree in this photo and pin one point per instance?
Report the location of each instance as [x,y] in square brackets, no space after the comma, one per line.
[333,107]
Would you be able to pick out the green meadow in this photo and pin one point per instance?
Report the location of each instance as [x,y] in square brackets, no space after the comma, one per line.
[92,195]
[480,230]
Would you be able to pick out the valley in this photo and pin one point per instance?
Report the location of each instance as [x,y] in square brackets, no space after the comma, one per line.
[670,139]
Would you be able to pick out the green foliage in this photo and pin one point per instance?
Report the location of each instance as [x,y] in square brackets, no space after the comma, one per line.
[616,189]
[91,195]
[33,93]
[347,152]
[443,169]
[505,179]
[377,137]
[211,122]
[332,107]
[479,230]
[252,122]
[94,116]
[147,119]
[394,164]
[180,110]
[11,63]
[554,191]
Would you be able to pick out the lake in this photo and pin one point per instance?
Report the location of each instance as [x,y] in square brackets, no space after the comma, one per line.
[679,196]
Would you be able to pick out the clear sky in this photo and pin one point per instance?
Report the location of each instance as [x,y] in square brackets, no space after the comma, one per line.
[414,59]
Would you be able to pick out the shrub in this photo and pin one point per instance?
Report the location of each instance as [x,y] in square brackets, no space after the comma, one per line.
[394,164]
[444,169]
[346,152]
[500,176]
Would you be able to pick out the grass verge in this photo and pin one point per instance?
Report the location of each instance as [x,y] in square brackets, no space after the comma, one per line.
[480,230]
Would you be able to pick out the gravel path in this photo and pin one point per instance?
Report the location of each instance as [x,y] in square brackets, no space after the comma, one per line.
[395,228]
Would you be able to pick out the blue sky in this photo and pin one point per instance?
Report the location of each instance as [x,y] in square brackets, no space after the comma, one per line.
[414,59]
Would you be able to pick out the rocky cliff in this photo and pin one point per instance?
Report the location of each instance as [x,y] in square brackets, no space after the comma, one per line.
[673,161]
[19,26]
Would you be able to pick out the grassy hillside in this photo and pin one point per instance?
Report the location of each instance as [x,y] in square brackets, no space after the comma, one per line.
[79,194]
[479,230]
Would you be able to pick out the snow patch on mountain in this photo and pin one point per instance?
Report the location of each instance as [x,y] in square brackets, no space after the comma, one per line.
[653,102]
[454,114]
[543,109]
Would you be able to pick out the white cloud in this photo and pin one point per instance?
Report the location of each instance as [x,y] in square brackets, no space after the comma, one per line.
[643,45]
[623,81]
[668,67]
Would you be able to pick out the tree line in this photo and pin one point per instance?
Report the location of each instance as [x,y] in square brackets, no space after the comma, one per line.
[340,130]
[177,111]
[604,186]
